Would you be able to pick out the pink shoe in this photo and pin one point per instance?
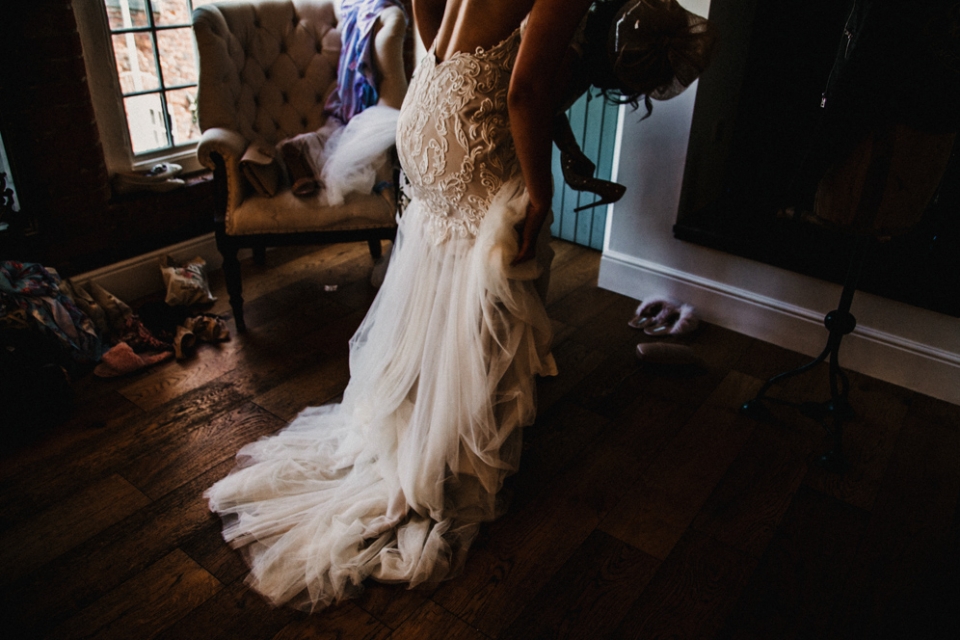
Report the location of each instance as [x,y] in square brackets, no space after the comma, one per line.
[651,308]
[673,322]
[121,360]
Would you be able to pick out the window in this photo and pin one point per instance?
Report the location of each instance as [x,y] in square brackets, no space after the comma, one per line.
[156,65]
[142,66]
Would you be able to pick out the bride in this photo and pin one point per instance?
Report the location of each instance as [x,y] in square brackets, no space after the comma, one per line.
[393,482]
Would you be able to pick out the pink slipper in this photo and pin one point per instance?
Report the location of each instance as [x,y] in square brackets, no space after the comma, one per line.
[121,360]
[650,309]
[673,322]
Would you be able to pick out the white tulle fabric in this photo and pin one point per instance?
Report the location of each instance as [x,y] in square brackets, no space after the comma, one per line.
[393,482]
[355,152]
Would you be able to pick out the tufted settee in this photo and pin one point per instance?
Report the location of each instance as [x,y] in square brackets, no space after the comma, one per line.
[266,71]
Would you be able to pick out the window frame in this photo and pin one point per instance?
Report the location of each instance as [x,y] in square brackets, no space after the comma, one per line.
[108,99]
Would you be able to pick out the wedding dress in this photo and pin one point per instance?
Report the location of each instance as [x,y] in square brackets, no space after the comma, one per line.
[393,482]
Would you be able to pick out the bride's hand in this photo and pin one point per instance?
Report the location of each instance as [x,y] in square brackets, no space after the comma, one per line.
[528,231]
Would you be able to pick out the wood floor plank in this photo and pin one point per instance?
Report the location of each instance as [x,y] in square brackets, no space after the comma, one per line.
[97,405]
[146,604]
[186,455]
[581,305]
[656,512]
[290,264]
[432,622]
[211,361]
[234,613]
[763,360]
[621,382]
[800,578]
[75,580]
[263,367]
[256,282]
[929,608]
[564,251]
[571,274]
[616,384]
[691,593]
[207,548]
[590,594]
[20,470]
[333,336]
[173,378]
[33,542]
[607,329]
[908,534]
[344,621]
[717,347]
[560,331]
[574,362]
[751,498]
[116,444]
[557,438]
[868,442]
[311,387]
[934,411]
[297,303]
[526,547]
[124,442]
[393,604]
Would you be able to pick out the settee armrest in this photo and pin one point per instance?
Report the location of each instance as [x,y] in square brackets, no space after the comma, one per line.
[230,145]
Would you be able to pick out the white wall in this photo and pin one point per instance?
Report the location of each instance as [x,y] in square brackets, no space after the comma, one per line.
[905,345]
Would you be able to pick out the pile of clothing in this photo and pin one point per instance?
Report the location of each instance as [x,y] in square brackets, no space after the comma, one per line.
[87,325]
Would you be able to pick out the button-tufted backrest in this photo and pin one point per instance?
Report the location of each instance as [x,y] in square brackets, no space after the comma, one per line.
[266,68]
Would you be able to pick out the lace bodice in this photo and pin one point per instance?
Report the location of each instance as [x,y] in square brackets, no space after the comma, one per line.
[453,136]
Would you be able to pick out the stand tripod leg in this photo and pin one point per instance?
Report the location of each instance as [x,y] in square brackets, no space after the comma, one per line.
[832,413]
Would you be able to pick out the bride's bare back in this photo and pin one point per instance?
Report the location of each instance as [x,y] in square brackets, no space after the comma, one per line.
[465,25]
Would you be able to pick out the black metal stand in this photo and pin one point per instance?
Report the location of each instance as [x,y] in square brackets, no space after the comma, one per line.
[831,413]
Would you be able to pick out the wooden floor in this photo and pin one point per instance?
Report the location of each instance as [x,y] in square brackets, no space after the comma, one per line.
[646,505]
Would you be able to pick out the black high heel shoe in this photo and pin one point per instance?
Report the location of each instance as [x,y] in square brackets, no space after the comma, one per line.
[578,173]
[578,169]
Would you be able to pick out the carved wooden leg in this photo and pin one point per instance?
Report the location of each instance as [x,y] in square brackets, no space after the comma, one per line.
[376,250]
[227,247]
[231,277]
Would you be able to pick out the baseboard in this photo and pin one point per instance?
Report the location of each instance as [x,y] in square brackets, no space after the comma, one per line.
[923,368]
[140,276]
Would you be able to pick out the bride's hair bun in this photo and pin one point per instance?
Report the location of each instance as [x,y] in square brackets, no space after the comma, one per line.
[655,48]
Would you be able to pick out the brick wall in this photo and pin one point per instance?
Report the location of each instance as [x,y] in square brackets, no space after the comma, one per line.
[47,119]
[51,136]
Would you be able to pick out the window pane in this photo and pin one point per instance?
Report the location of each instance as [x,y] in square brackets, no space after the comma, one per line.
[148,127]
[124,14]
[182,104]
[171,12]
[135,62]
[177,58]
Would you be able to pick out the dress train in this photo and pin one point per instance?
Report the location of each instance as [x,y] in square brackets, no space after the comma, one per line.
[393,482]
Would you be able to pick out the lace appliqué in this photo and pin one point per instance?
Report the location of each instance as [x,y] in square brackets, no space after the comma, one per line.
[453,137]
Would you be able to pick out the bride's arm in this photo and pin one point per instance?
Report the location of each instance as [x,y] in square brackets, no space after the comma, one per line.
[533,99]
[428,14]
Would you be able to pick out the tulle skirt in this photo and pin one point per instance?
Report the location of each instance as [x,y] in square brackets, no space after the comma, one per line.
[394,482]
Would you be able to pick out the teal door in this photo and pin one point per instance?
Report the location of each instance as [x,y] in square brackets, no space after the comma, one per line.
[594,123]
